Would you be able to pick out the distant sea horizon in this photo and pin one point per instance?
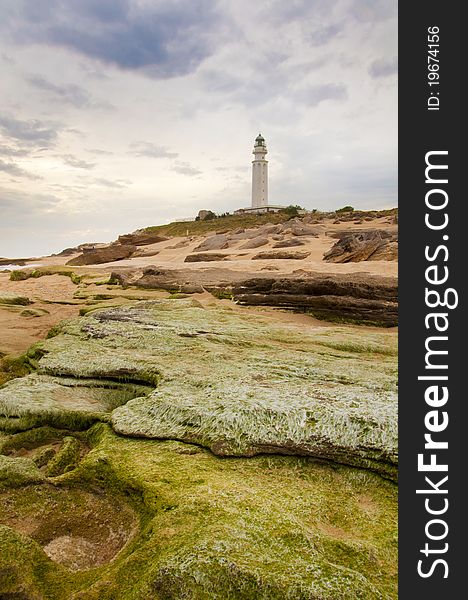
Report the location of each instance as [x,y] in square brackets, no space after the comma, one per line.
[13,266]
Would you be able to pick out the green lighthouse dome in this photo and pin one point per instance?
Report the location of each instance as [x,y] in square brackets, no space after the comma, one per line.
[260,140]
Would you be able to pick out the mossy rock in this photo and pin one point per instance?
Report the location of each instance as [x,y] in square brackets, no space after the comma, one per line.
[10,298]
[61,402]
[269,526]
[21,275]
[34,312]
[66,459]
[52,450]
[229,381]
[208,528]
[18,471]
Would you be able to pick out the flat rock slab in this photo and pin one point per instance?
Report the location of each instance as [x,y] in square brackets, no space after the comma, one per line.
[233,382]
[103,255]
[44,399]
[10,298]
[256,242]
[279,255]
[355,427]
[214,242]
[206,257]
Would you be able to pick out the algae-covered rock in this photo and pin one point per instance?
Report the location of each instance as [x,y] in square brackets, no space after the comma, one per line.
[10,298]
[229,381]
[34,312]
[267,527]
[66,459]
[134,519]
[356,426]
[74,403]
[18,471]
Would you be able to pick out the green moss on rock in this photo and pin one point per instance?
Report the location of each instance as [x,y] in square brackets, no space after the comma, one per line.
[18,471]
[66,459]
[62,402]
[229,381]
[209,528]
[10,298]
[266,527]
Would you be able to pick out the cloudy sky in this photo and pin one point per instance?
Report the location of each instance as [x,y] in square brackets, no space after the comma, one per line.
[119,114]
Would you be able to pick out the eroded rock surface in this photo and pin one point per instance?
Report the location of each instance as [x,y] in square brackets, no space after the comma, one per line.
[354,297]
[141,238]
[255,242]
[171,519]
[164,519]
[104,255]
[206,257]
[363,245]
[248,389]
[279,255]
[213,242]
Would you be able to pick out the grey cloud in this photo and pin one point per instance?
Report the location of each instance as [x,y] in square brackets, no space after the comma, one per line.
[7,59]
[68,94]
[279,11]
[13,169]
[151,150]
[115,184]
[165,39]
[323,35]
[220,81]
[98,151]
[32,131]
[383,67]
[314,94]
[12,151]
[184,168]
[374,10]
[269,82]
[73,161]
[19,204]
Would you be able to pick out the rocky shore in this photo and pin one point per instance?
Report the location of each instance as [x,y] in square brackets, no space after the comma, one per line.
[170,429]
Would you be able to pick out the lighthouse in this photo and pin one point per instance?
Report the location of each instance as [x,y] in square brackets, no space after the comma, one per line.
[259,173]
[259,182]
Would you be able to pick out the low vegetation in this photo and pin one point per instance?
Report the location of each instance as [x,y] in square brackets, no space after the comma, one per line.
[226,223]
[22,274]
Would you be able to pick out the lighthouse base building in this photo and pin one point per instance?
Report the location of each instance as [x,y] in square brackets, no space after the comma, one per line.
[259,181]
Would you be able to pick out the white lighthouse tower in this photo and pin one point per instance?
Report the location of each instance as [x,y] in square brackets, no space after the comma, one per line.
[259,173]
[259,182]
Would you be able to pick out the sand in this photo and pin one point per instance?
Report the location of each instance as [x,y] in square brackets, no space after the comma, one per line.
[18,332]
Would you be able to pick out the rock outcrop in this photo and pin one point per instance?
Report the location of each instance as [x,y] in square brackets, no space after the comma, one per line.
[358,298]
[214,242]
[159,279]
[363,245]
[206,257]
[291,401]
[12,299]
[288,243]
[141,238]
[103,255]
[298,227]
[268,255]
[255,242]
